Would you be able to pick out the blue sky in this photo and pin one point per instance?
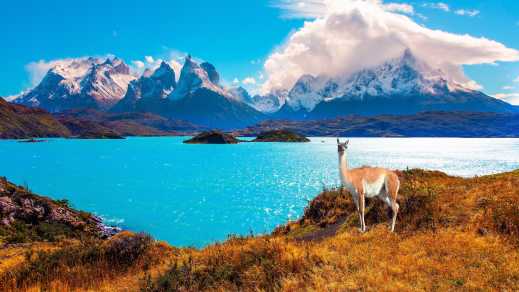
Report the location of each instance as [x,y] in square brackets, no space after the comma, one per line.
[235,35]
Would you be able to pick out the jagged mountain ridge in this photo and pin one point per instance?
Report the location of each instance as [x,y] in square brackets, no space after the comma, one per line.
[80,83]
[197,97]
[108,85]
[151,87]
[194,76]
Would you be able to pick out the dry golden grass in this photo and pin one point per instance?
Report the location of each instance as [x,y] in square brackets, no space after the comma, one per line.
[452,234]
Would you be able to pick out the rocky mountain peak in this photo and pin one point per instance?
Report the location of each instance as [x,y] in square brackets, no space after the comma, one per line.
[211,72]
[194,76]
[240,94]
[153,85]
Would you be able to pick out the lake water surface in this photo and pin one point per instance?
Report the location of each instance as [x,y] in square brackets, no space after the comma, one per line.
[192,195]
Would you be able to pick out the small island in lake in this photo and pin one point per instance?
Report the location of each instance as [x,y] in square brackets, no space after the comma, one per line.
[213,137]
[32,140]
[280,136]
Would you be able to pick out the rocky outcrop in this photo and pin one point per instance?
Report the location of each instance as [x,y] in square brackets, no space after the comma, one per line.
[20,209]
[213,137]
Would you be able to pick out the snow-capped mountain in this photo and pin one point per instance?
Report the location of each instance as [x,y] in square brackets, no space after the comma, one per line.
[401,85]
[151,87]
[307,92]
[200,99]
[80,83]
[196,97]
[269,103]
[194,76]
[241,94]
[400,76]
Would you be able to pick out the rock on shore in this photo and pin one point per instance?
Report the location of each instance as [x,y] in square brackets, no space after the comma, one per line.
[25,216]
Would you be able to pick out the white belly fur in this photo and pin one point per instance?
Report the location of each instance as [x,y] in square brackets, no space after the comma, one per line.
[373,189]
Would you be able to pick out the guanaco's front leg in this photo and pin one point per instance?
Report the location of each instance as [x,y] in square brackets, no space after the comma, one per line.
[362,202]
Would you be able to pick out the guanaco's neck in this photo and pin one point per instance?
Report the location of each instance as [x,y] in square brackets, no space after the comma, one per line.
[343,166]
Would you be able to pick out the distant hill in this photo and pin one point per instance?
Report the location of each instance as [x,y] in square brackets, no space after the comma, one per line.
[19,122]
[426,124]
[90,122]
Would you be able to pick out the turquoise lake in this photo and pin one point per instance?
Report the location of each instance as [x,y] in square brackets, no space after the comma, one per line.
[192,195]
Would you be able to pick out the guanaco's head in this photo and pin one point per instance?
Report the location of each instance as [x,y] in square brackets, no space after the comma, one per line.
[341,147]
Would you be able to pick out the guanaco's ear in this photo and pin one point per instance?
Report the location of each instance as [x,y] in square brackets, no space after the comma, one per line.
[338,142]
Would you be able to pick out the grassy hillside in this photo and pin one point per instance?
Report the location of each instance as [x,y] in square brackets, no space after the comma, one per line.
[452,233]
[93,123]
[18,122]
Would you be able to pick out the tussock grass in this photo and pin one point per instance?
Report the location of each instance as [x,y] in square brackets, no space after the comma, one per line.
[78,263]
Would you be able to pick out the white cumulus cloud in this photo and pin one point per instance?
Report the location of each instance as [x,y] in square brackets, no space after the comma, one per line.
[438,5]
[344,36]
[149,59]
[399,7]
[467,12]
[138,64]
[38,69]
[249,81]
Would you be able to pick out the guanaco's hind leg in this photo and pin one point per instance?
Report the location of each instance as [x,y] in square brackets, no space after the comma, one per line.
[357,205]
[394,207]
[392,186]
